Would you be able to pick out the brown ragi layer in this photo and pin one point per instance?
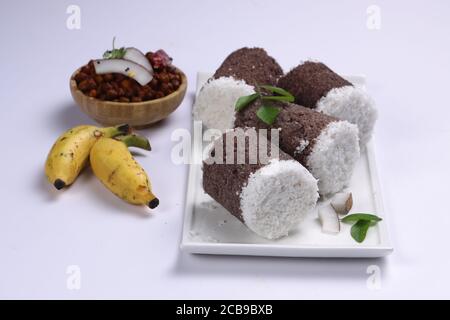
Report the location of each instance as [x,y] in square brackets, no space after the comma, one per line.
[311,81]
[297,123]
[224,182]
[253,65]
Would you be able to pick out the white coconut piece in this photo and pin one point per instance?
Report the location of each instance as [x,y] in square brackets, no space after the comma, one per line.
[353,104]
[135,55]
[342,202]
[334,155]
[125,67]
[215,103]
[301,147]
[329,220]
[277,197]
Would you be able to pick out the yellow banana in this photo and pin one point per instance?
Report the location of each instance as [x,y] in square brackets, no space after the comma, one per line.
[116,168]
[70,152]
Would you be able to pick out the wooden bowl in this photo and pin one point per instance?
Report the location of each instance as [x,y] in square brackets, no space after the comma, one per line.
[137,114]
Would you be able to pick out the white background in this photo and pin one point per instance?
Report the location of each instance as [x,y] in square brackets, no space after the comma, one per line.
[123,253]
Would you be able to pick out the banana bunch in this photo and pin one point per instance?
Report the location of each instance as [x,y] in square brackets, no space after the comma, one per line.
[111,161]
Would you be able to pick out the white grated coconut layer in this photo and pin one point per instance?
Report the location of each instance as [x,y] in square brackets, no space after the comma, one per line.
[352,104]
[334,156]
[216,100]
[277,197]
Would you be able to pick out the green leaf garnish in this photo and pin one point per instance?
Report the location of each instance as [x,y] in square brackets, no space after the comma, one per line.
[361,216]
[244,101]
[268,114]
[362,222]
[279,98]
[359,230]
[114,53]
[279,91]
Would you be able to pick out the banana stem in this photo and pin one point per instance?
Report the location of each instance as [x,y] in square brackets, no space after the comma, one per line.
[124,128]
[134,140]
[120,129]
[115,131]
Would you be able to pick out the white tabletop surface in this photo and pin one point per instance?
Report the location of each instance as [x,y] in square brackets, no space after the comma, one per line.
[118,250]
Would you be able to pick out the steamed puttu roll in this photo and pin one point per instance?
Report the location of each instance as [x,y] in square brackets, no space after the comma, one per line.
[316,86]
[238,75]
[326,146]
[270,195]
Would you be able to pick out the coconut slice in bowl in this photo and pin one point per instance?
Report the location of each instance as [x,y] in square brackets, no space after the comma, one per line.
[125,67]
[135,55]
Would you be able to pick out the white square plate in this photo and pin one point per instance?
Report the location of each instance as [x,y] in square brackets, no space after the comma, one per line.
[209,229]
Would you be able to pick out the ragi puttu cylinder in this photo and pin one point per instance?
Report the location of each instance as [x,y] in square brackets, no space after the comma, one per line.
[270,195]
[316,86]
[326,146]
[237,76]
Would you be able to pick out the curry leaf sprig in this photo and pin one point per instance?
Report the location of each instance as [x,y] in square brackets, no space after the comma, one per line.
[114,53]
[267,112]
[361,223]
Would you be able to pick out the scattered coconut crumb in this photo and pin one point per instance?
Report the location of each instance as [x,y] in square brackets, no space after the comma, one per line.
[210,239]
[193,233]
[212,205]
[202,238]
[302,146]
[222,222]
